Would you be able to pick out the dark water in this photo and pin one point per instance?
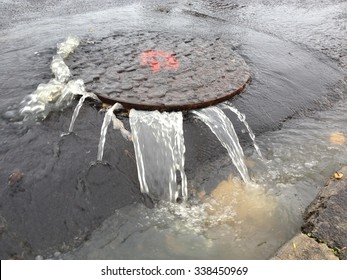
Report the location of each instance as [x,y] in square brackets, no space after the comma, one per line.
[63,196]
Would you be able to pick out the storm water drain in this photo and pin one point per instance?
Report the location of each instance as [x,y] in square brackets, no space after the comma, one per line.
[152,70]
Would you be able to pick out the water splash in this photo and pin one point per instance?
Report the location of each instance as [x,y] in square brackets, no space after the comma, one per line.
[109,116]
[68,46]
[38,103]
[222,127]
[159,150]
[59,69]
[47,96]
[242,117]
[71,89]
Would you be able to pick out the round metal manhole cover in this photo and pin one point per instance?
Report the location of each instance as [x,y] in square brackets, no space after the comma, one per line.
[155,70]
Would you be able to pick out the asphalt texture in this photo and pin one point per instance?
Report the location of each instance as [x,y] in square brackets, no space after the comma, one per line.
[52,193]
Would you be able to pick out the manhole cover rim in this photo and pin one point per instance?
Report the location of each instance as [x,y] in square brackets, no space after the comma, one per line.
[173,107]
[216,73]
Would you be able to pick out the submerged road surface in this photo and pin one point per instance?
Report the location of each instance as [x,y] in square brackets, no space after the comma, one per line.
[52,193]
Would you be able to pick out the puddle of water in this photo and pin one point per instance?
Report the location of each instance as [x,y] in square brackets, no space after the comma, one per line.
[228,219]
[217,224]
[319,25]
[230,223]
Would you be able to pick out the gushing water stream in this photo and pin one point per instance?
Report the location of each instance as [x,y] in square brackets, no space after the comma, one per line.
[159,149]
[242,117]
[71,89]
[76,112]
[107,120]
[299,157]
[222,127]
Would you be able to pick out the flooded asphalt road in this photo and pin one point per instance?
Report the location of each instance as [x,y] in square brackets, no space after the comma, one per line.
[297,55]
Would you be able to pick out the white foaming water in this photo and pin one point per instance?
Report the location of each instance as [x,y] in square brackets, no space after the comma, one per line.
[47,96]
[233,221]
[222,127]
[117,124]
[242,118]
[74,87]
[39,102]
[60,70]
[230,223]
[68,46]
[159,149]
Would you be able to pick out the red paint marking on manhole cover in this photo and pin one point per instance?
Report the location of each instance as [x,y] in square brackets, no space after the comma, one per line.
[158,60]
[178,73]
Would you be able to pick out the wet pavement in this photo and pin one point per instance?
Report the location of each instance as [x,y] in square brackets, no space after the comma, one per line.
[53,195]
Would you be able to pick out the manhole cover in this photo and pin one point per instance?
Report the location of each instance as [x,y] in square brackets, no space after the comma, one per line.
[152,70]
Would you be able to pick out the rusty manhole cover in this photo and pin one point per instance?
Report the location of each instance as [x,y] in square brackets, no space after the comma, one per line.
[154,70]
